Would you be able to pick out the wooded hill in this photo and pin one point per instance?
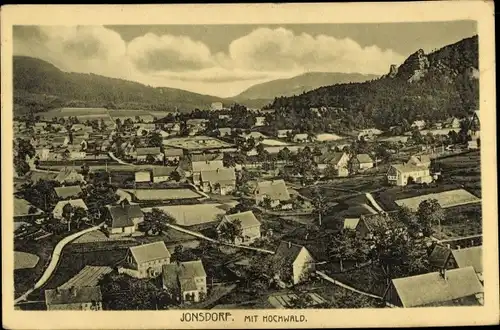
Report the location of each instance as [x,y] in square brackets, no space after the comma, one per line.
[430,87]
[39,85]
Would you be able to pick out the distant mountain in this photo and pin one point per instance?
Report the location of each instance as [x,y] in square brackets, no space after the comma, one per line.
[425,86]
[300,84]
[39,85]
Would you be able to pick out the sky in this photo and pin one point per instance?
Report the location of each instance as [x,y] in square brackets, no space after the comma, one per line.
[224,60]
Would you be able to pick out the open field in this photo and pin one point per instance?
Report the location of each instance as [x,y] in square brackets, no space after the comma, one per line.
[387,198]
[341,188]
[24,260]
[446,199]
[463,169]
[460,221]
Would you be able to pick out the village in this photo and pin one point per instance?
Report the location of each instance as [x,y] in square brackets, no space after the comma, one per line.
[218,209]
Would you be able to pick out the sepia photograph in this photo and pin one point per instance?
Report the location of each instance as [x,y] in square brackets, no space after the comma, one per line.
[210,169]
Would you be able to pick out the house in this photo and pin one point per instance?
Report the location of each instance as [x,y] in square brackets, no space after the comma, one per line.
[145,129]
[420,160]
[123,219]
[276,191]
[142,176]
[173,128]
[339,161]
[369,132]
[418,124]
[197,123]
[400,174]
[293,262]
[455,287]
[361,162]
[250,226]
[224,131]
[42,153]
[220,181]
[59,141]
[368,223]
[186,281]
[68,192]
[300,137]
[81,128]
[24,209]
[204,165]
[452,122]
[68,175]
[173,154]
[74,298]
[283,133]
[255,135]
[260,121]
[216,106]
[144,153]
[75,152]
[443,257]
[146,260]
[57,212]
[224,117]
[162,174]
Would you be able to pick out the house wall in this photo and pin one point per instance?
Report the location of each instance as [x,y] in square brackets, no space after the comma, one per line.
[142,177]
[201,283]
[75,306]
[364,166]
[302,266]
[393,297]
[250,234]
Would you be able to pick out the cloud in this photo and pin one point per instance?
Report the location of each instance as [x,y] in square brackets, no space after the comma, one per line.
[155,53]
[281,50]
[181,62]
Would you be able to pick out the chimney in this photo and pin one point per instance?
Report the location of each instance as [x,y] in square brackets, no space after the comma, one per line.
[442,273]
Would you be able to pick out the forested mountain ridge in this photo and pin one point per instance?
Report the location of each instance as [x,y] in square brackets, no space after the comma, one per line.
[300,84]
[39,85]
[430,87]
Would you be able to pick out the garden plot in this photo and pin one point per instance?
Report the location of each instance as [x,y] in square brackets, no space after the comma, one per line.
[23,260]
[286,300]
[163,194]
[446,199]
[87,277]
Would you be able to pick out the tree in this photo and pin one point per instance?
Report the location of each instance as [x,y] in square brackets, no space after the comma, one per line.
[175,176]
[230,231]
[320,204]
[155,139]
[228,160]
[150,159]
[347,245]
[79,214]
[410,220]
[430,213]
[266,203]
[284,154]
[67,214]
[156,222]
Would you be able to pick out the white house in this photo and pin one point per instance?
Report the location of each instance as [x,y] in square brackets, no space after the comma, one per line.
[250,226]
[187,280]
[400,173]
[419,124]
[276,191]
[295,263]
[146,260]
[123,219]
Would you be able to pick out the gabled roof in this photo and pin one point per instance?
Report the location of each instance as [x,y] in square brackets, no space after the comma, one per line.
[148,151]
[351,223]
[149,252]
[276,190]
[472,256]
[331,158]
[364,158]
[70,173]
[205,157]
[183,274]
[247,219]
[431,288]
[287,252]
[73,296]
[69,191]
[122,215]
[439,256]
[209,165]
[407,168]
[419,160]
[22,207]
[219,175]
[88,276]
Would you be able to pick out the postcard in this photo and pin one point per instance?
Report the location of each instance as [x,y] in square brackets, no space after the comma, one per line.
[249,166]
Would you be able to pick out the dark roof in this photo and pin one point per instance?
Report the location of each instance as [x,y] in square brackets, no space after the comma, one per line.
[183,273]
[205,157]
[121,215]
[163,171]
[439,256]
[287,252]
[73,295]
[331,158]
